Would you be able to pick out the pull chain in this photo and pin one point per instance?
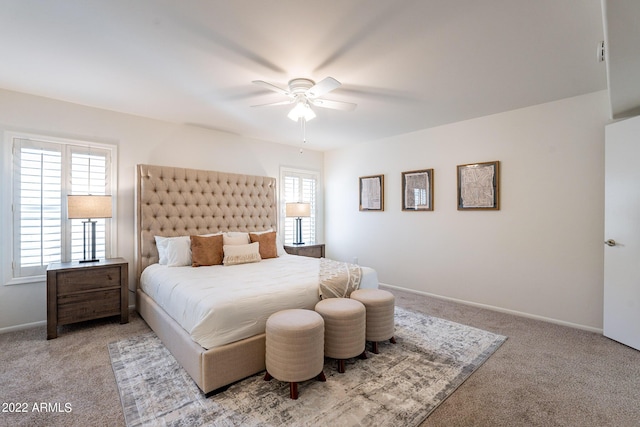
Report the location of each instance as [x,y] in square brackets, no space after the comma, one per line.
[304,132]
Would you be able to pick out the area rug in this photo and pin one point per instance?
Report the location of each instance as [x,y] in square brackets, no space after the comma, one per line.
[401,385]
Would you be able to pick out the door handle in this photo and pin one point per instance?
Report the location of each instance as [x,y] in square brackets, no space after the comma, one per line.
[610,242]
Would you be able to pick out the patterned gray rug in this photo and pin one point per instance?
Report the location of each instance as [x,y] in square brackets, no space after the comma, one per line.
[401,385]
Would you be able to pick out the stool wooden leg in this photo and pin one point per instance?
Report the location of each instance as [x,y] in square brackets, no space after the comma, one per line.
[392,340]
[267,376]
[293,387]
[374,347]
[321,377]
[341,366]
[363,355]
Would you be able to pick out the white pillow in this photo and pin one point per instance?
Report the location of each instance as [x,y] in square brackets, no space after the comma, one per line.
[235,238]
[241,254]
[280,245]
[179,252]
[162,243]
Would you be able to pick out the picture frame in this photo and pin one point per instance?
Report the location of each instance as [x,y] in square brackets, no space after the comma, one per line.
[371,189]
[479,186]
[417,190]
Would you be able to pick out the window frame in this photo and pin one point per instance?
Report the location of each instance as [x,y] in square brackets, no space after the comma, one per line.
[317,208]
[7,200]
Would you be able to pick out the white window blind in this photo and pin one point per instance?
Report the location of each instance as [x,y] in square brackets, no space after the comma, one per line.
[299,186]
[44,173]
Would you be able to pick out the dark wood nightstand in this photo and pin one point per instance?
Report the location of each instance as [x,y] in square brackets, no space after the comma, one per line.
[313,251]
[83,291]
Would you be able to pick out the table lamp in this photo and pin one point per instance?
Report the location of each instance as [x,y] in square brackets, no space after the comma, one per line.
[89,207]
[298,210]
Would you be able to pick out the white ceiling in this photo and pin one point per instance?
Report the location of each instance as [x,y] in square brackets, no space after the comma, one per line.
[409,65]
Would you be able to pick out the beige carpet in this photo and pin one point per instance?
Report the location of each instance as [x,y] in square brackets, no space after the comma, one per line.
[543,375]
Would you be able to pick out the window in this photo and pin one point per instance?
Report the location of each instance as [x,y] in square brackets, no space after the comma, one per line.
[45,171]
[299,186]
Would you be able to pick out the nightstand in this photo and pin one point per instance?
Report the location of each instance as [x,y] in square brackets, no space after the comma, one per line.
[313,251]
[83,291]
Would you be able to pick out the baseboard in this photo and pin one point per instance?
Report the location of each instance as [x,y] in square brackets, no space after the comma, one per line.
[35,324]
[22,327]
[500,309]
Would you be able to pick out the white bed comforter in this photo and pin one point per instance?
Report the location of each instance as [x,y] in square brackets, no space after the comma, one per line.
[220,304]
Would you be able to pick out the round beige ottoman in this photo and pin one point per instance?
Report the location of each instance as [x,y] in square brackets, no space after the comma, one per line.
[294,347]
[344,329]
[380,306]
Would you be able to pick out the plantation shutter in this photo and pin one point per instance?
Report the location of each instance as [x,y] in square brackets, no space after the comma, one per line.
[44,174]
[89,175]
[37,206]
[299,186]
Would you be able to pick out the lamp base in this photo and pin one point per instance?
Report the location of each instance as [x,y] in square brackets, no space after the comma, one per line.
[89,241]
[298,240]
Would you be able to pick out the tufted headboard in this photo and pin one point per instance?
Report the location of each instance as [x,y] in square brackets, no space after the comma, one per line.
[177,201]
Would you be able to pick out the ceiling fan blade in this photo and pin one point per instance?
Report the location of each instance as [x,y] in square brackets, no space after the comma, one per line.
[323,87]
[271,104]
[335,105]
[272,87]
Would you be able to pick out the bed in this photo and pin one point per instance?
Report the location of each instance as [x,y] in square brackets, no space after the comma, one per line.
[173,202]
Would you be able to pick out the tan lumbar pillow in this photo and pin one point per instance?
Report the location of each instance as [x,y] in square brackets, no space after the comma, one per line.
[241,254]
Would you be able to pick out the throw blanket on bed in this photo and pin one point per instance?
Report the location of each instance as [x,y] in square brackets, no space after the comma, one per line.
[338,279]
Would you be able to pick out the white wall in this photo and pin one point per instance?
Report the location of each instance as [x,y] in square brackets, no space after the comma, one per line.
[139,140]
[541,254]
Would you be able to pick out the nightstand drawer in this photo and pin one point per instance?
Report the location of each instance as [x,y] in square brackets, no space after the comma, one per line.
[88,279]
[313,252]
[82,306]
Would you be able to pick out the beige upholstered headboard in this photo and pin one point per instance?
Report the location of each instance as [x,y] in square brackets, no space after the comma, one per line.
[177,201]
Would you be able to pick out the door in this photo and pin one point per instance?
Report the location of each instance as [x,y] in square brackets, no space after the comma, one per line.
[622,232]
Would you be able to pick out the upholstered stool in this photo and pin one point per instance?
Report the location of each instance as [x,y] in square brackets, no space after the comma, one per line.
[380,307]
[344,329]
[294,347]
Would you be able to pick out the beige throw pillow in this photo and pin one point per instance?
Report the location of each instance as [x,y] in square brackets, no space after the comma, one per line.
[236,238]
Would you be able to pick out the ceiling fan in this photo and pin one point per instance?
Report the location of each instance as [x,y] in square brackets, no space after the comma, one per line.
[304,93]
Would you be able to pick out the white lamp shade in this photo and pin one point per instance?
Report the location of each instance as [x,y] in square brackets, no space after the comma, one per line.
[298,209]
[88,206]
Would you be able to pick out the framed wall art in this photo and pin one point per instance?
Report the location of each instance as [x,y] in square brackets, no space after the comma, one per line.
[417,190]
[371,193]
[479,186]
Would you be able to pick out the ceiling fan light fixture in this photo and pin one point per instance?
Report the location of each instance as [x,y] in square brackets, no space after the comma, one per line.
[302,110]
[304,93]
